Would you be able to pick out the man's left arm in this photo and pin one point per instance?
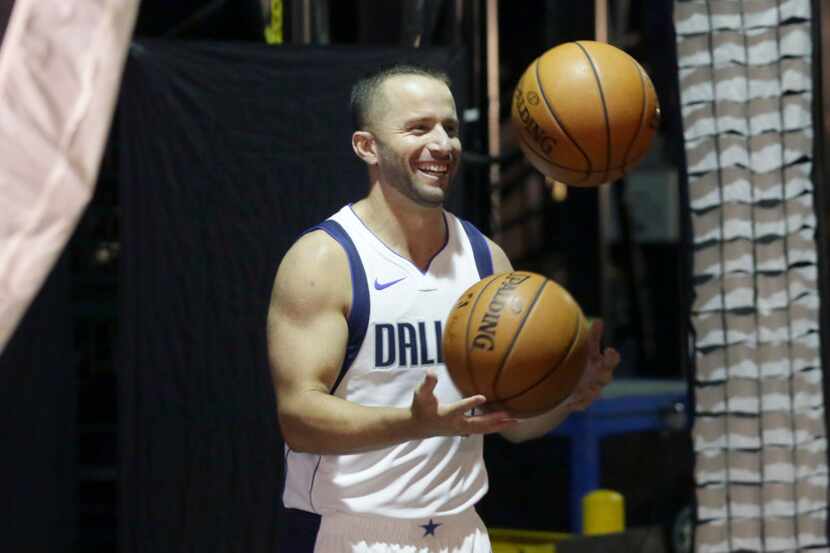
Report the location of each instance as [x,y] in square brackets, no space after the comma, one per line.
[599,370]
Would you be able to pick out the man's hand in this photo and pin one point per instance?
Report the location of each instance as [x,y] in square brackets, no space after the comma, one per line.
[598,373]
[435,419]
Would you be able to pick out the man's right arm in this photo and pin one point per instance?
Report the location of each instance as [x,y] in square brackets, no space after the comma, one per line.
[307,337]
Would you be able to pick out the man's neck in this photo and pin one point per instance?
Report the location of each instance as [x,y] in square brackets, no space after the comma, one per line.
[412,231]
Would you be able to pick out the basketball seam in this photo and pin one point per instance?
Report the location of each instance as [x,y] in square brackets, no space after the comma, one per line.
[544,377]
[516,337]
[546,160]
[575,170]
[642,113]
[604,107]
[556,117]
[467,335]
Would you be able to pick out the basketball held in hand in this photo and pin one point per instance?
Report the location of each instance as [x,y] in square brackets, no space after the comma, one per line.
[519,339]
[585,112]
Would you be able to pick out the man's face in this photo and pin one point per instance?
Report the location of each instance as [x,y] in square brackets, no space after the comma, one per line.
[416,131]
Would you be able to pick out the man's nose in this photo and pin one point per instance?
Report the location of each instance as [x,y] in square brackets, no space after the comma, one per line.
[441,141]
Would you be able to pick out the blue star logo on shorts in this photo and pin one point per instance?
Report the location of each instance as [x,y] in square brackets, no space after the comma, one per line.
[430,527]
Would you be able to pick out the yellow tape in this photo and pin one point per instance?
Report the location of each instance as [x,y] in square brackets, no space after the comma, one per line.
[603,512]
[273,32]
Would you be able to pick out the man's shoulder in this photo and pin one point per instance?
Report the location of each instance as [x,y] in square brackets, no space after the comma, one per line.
[500,260]
[312,274]
[470,228]
[315,248]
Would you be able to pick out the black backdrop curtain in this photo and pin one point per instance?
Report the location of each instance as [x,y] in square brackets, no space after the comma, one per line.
[38,426]
[226,153]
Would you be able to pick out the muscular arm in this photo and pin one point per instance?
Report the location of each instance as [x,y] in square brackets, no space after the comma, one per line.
[586,392]
[307,336]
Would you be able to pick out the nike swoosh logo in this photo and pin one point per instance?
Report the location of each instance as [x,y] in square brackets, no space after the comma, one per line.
[384,285]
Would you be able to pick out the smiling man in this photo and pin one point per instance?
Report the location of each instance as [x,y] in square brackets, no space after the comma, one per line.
[383,453]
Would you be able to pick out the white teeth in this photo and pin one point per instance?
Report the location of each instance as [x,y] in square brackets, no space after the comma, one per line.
[434,168]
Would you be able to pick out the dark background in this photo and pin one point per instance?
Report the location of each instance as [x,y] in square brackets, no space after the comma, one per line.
[135,389]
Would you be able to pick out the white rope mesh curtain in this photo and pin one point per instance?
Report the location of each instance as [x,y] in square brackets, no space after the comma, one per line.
[759,434]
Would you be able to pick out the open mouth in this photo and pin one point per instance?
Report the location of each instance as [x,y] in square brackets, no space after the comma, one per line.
[434,170]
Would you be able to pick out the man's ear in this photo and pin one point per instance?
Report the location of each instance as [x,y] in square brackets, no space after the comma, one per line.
[363,144]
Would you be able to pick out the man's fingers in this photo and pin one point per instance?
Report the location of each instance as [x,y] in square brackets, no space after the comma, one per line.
[466,404]
[428,385]
[610,360]
[595,337]
[491,422]
[597,328]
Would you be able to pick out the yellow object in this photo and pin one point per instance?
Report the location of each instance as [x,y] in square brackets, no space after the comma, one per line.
[524,541]
[273,32]
[558,190]
[603,512]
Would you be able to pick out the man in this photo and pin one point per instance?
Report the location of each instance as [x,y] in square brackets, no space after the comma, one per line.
[382,452]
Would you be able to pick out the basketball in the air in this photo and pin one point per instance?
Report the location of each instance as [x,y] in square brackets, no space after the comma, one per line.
[585,112]
[519,339]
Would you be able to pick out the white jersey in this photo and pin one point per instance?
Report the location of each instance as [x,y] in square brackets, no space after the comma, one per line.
[395,329]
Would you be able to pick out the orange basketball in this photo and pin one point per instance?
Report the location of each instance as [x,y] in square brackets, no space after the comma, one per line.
[585,112]
[517,338]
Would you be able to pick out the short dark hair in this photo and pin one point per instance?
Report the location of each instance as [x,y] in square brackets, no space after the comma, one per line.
[366,90]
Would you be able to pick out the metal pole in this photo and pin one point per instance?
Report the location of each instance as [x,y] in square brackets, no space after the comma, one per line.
[603,191]
[320,22]
[413,22]
[493,105]
[301,22]
[458,23]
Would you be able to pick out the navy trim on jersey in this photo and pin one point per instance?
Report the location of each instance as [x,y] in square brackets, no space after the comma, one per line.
[481,251]
[359,313]
[446,241]
[298,531]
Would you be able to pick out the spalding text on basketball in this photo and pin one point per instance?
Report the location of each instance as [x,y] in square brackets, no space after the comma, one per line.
[464,300]
[485,338]
[408,344]
[545,142]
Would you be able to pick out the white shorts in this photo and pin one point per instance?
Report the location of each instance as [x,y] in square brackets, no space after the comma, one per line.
[461,533]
